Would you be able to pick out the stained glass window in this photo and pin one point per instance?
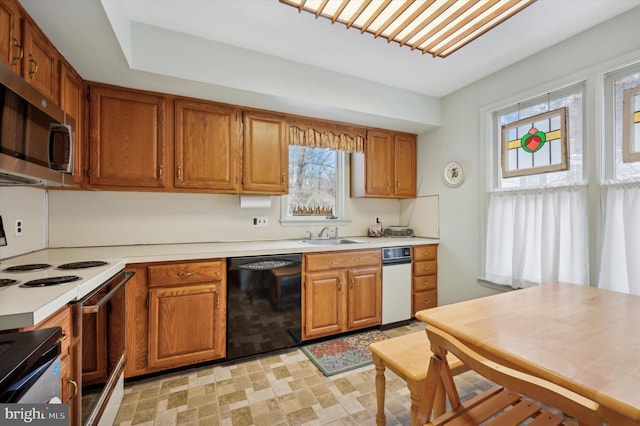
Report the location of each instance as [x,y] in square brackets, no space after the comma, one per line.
[536,144]
[631,126]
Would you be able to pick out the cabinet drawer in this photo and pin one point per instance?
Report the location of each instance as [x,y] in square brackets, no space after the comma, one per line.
[429,252]
[61,318]
[427,282]
[429,267]
[185,273]
[342,260]
[425,300]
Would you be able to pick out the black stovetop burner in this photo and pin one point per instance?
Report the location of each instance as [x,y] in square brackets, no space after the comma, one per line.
[43,282]
[4,282]
[83,264]
[28,267]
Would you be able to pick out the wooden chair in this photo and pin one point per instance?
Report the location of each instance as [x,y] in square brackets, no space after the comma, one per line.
[406,355]
[503,404]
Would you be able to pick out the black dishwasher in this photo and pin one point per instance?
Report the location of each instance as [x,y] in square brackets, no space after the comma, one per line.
[263,303]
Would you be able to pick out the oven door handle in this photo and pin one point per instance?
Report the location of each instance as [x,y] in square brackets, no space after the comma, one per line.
[94,308]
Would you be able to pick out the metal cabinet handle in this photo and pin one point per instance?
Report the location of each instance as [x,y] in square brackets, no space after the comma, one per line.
[161,171]
[426,302]
[179,172]
[388,184]
[339,284]
[63,337]
[32,71]
[75,387]
[217,300]
[20,50]
[283,178]
[397,184]
[427,269]
[352,283]
[187,274]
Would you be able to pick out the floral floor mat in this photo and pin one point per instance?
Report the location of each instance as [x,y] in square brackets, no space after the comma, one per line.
[343,354]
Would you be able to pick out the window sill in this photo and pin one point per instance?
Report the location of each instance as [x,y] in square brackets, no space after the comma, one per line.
[314,221]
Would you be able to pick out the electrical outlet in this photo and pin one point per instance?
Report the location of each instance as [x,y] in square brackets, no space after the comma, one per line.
[259,221]
[19,227]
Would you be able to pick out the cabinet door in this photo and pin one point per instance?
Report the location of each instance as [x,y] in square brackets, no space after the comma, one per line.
[186,325]
[207,146]
[364,298]
[40,63]
[71,101]
[266,154]
[378,163]
[405,165]
[11,50]
[127,138]
[137,322]
[323,307]
[69,356]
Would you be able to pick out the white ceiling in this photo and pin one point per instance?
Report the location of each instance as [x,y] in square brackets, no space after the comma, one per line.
[270,27]
[284,53]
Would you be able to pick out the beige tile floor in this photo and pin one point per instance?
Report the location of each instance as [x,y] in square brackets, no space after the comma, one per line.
[282,388]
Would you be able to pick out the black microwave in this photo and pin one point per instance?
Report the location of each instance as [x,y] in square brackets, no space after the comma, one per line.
[36,136]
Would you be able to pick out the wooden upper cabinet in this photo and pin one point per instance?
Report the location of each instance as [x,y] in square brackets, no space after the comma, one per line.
[40,62]
[11,50]
[127,138]
[405,165]
[388,167]
[379,163]
[207,146]
[266,154]
[71,101]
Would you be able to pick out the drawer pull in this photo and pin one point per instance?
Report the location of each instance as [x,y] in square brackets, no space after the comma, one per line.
[63,337]
[20,50]
[352,283]
[75,387]
[427,269]
[426,302]
[217,300]
[32,70]
[340,285]
[186,274]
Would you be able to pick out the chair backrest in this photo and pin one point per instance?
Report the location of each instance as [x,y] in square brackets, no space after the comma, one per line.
[584,410]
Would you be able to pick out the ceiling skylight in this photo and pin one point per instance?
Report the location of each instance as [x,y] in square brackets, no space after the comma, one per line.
[437,27]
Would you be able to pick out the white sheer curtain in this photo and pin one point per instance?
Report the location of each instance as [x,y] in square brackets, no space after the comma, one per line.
[537,236]
[620,257]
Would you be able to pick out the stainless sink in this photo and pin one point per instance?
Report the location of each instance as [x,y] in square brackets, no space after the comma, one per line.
[330,242]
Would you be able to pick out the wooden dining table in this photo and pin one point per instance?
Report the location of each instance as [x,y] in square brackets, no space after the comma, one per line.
[583,338]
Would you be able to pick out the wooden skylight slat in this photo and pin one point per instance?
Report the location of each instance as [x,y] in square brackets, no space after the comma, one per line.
[445,30]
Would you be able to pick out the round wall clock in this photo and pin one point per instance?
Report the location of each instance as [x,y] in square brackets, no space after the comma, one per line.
[452,173]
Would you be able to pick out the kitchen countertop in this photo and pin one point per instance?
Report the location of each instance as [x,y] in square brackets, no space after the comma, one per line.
[25,307]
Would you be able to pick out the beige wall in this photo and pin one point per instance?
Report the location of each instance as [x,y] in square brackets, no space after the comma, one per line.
[82,218]
[29,204]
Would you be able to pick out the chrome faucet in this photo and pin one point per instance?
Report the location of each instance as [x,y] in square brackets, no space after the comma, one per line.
[322,231]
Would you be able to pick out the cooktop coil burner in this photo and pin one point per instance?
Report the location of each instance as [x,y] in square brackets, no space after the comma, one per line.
[43,282]
[83,264]
[27,267]
[5,282]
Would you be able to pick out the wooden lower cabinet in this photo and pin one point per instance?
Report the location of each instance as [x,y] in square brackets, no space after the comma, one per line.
[341,292]
[137,321]
[425,277]
[176,315]
[69,358]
